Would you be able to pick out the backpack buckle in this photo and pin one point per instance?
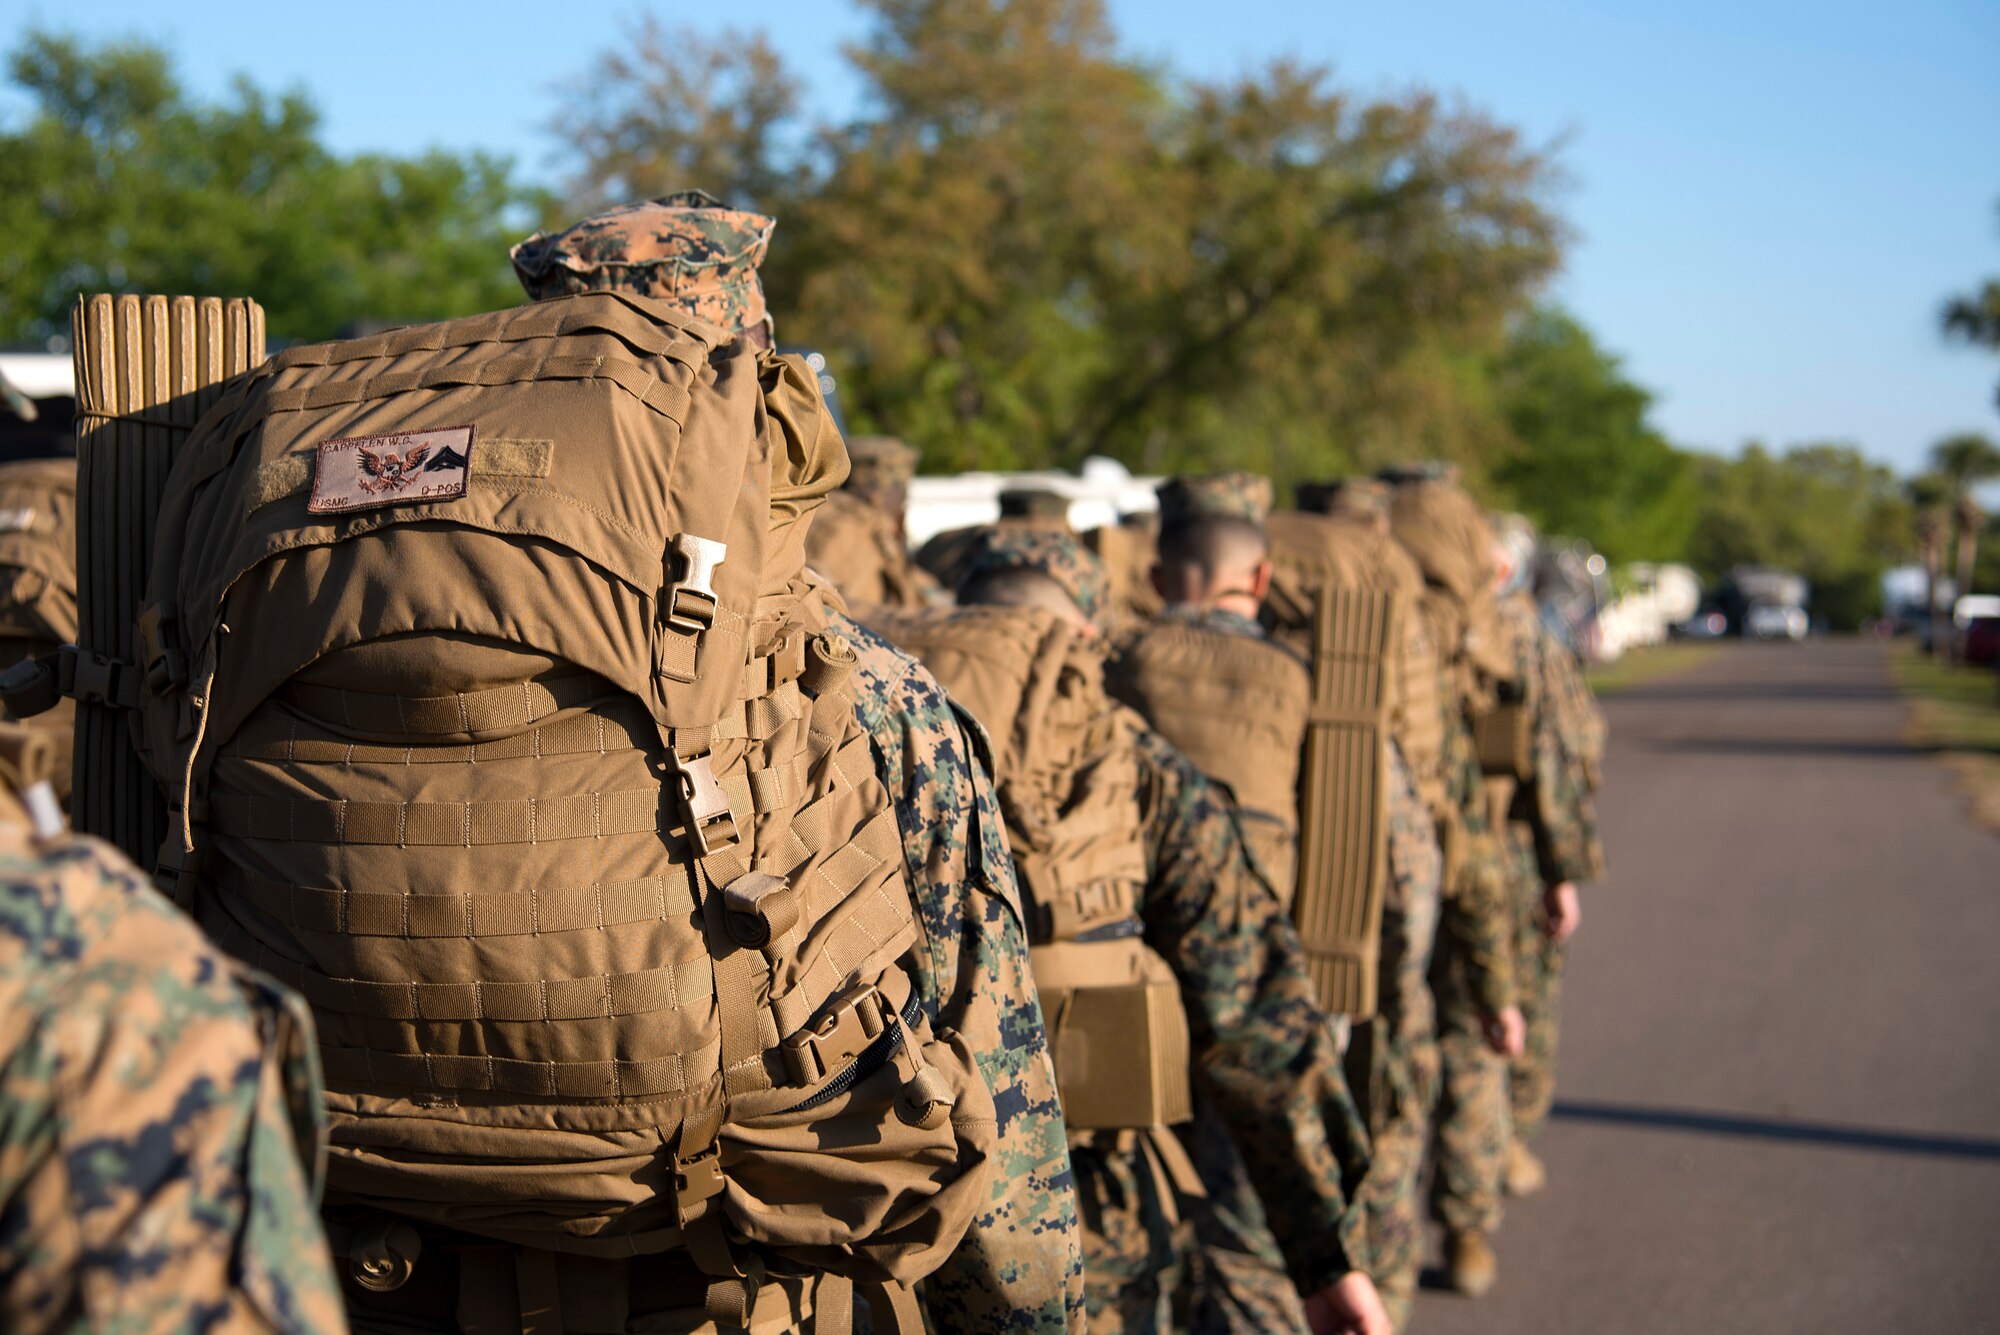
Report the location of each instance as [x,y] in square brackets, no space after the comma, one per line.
[838,1038]
[707,805]
[97,679]
[164,663]
[691,599]
[697,1181]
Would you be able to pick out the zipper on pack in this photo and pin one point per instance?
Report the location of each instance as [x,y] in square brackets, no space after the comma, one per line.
[872,1059]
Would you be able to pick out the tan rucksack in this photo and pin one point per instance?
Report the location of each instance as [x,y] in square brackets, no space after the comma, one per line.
[499,719]
[1068,783]
[1129,550]
[857,548]
[1237,708]
[1342,603]
[38,583]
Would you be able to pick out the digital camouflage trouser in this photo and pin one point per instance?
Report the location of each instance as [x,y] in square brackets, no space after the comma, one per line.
[1473,1115]
[1156,1260]
[1538,966]
[1394,1063]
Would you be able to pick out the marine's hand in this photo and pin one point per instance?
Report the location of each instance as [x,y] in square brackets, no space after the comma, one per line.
[1349,1306]
[1507,1032]
[1562,912]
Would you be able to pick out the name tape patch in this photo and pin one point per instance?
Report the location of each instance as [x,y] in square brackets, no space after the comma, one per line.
[362,472]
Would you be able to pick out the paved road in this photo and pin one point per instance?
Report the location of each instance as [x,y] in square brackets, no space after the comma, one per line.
[1781,1084]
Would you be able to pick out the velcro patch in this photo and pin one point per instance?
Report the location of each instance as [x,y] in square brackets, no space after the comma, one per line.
[362,472]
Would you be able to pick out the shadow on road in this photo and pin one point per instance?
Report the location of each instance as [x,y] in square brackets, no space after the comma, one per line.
[1806,746]
[1764,1128]
[1724,692]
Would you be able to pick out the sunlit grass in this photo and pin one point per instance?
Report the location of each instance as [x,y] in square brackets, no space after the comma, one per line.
[1639,665]
[1956,712]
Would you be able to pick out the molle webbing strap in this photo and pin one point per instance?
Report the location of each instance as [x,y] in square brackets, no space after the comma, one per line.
[464,714]
[560,908]
[661,1077]
[669,401]
[530,820]
[273,737]
[162,360]
[522,324]
[603,996]
[1343,795]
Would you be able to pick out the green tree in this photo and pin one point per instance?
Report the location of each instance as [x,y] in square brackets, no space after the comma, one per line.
[117,180]
[1964,461]
[1584,460]
[1823,510]
[1032,247]
[1974,317]
[671,108]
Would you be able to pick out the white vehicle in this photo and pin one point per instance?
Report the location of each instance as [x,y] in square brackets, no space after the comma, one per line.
[1775,621]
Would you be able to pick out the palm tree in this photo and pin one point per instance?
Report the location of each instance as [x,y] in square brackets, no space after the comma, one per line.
[1929,497]
[1964,461]
[1975,317]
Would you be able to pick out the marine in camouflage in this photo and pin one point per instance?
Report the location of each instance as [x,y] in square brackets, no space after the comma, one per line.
[1566,847]
[1267,1056]
[1395,1058]
[857,539]
[1056,553]
[688,248]
[1232,495]
[1020,1267]
[156,1101]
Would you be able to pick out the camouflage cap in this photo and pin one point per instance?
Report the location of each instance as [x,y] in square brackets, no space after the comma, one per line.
[880,463]
[688,248]
[1347,497]
[1233,495]
[1059,555]
[1034,503]
[1424,470]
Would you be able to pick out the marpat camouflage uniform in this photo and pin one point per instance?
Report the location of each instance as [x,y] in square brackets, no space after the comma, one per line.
[1266,1054]
[1020,1267]
[1396,1053]
[1561,844]
[154,1101]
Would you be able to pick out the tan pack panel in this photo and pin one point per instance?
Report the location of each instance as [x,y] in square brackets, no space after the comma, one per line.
[1118,1033]
[38,583]
[1341,598]
[1236,707]
[1504,736]
[1129,552]
[858,548]
[1068,781]
[505,724]
[147,369]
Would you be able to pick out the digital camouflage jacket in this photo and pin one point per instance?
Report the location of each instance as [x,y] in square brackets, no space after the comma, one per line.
[1266,1054]
[1020,1267]
[1557,804]
[152,1100]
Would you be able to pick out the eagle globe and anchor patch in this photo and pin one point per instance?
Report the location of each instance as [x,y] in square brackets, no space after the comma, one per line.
[362,472]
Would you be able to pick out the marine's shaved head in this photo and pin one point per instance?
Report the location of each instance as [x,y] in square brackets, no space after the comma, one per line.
[1020,587]
[1206,556]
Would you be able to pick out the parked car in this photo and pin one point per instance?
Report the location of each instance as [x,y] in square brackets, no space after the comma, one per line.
[1981,643]
[1775,621]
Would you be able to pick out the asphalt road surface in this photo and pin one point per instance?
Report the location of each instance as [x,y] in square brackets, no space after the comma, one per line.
[1780,1084]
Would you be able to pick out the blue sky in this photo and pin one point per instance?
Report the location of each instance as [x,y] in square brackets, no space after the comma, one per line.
[1771,199]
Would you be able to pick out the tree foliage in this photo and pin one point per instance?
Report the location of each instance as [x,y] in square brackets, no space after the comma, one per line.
[118,180]
[1823,510]
[1583,459]
[1974,317]
[1032,247]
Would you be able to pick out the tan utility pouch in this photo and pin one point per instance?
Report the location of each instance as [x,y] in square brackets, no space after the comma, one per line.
[1118,1031]
[1505,740]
